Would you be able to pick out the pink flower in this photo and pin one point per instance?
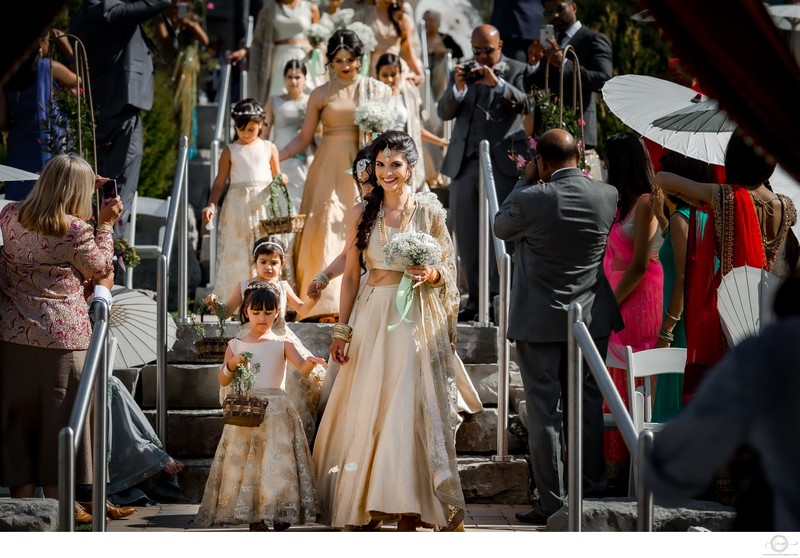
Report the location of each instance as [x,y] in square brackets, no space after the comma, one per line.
[581,122]
[533,143]
[210,5]
[521,162]
[587,173]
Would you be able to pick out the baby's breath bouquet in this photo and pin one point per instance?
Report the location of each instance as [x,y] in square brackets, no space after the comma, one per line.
[343,17]
[245,375]
[318,34]
[410,248]
[375,117]
[365,33]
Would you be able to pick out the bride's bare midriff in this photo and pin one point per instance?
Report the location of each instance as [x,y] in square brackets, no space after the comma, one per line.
[384,277]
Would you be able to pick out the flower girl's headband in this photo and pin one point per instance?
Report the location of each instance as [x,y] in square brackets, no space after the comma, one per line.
[256,111]
[276,247]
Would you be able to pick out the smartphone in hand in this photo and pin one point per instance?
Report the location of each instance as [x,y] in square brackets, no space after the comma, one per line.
[110,189]
[546,33]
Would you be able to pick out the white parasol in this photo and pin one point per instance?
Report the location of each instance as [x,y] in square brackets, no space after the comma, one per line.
[133,322]
[744,301]
[11,174]
[673,116]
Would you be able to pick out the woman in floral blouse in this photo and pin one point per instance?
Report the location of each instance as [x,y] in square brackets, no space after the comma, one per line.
[51,255]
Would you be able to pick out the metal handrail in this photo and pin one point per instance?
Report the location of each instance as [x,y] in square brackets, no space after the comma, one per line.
[69,437]
[427,98]
[176,215]
[221,125]
[248,40]
[580,347]
[489,207]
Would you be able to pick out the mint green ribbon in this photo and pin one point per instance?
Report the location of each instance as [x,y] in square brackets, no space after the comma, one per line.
[403,300]
[315,62]
[364,70]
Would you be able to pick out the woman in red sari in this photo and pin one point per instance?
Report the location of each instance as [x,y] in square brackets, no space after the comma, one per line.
[747,225]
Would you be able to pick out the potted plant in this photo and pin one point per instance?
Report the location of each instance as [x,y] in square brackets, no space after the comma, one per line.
[211,347]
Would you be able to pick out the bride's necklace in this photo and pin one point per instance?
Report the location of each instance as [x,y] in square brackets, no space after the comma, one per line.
[405,215]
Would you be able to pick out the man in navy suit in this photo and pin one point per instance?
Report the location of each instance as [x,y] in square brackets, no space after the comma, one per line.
[594,55]
[121,74]
[487,104]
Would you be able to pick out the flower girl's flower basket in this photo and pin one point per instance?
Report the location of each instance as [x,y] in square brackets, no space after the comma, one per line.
[240,408]
[279,223]
[212,348]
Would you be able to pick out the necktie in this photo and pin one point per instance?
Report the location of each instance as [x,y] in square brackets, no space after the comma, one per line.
[560,36]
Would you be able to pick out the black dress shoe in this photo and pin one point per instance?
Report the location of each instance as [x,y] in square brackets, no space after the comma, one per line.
[467,315]
[533,517]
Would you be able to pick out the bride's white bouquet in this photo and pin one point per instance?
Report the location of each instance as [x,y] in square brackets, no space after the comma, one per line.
[365,33]
[412,248]
[375,117]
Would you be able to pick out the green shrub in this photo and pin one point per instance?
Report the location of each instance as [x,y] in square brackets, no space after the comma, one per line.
[160,132]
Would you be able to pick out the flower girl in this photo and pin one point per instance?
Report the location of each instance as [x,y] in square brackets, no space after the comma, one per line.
[262,475]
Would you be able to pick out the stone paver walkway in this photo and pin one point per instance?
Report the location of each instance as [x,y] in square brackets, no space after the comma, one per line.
[178,517]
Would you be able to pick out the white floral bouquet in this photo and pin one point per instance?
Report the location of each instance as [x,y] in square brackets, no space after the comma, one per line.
[318,34]
[375,117]
[365,33]
[412,248]
[342,17]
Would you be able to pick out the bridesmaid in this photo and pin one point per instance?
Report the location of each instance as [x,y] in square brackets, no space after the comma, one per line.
[330,190]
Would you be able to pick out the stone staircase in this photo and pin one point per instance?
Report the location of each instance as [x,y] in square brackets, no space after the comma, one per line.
[194,419]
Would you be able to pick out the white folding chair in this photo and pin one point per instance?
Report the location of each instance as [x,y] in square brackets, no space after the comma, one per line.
[647,364]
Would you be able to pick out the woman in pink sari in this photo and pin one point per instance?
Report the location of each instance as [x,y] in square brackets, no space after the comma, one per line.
[632,267]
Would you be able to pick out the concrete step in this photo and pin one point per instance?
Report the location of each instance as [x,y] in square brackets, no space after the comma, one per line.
[482,480]
[475,345]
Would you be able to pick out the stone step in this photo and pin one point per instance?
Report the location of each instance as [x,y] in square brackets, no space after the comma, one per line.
[484,378]
[475,345]
[196,431]
[483,481]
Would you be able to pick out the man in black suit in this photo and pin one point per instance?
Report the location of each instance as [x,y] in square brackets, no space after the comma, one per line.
[121,73]
[487,104]
[560,224]
[594,55]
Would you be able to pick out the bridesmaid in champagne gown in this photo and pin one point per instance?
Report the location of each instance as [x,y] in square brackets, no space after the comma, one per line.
[330,190]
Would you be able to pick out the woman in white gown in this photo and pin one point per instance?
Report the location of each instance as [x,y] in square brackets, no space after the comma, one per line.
[284,118]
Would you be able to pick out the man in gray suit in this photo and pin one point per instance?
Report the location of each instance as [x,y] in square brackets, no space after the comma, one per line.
[486,102]
[560,225]
[121,73]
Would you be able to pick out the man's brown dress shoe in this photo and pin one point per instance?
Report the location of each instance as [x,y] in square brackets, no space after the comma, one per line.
[81,515]
[112,511]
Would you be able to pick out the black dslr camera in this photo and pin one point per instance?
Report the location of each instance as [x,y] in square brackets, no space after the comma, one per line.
[469,75]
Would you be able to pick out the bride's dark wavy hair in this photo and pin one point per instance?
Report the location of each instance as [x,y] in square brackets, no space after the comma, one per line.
[396,141]
[344,39]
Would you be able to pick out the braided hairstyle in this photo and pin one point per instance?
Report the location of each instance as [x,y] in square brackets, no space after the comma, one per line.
[396,141]
[363,154]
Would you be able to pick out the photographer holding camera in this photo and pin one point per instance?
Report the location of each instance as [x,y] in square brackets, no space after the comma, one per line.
[486,98]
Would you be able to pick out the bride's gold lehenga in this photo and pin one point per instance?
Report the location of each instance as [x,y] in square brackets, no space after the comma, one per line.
[386,443]
[330,190]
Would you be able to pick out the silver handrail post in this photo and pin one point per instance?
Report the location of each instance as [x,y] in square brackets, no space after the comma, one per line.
[69,437]
[100,418]
[162,287]
[247,41]
[575,414]
[644,496]
[503,348]
[483,237]
[220,128]
[447,125]
[183,241]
